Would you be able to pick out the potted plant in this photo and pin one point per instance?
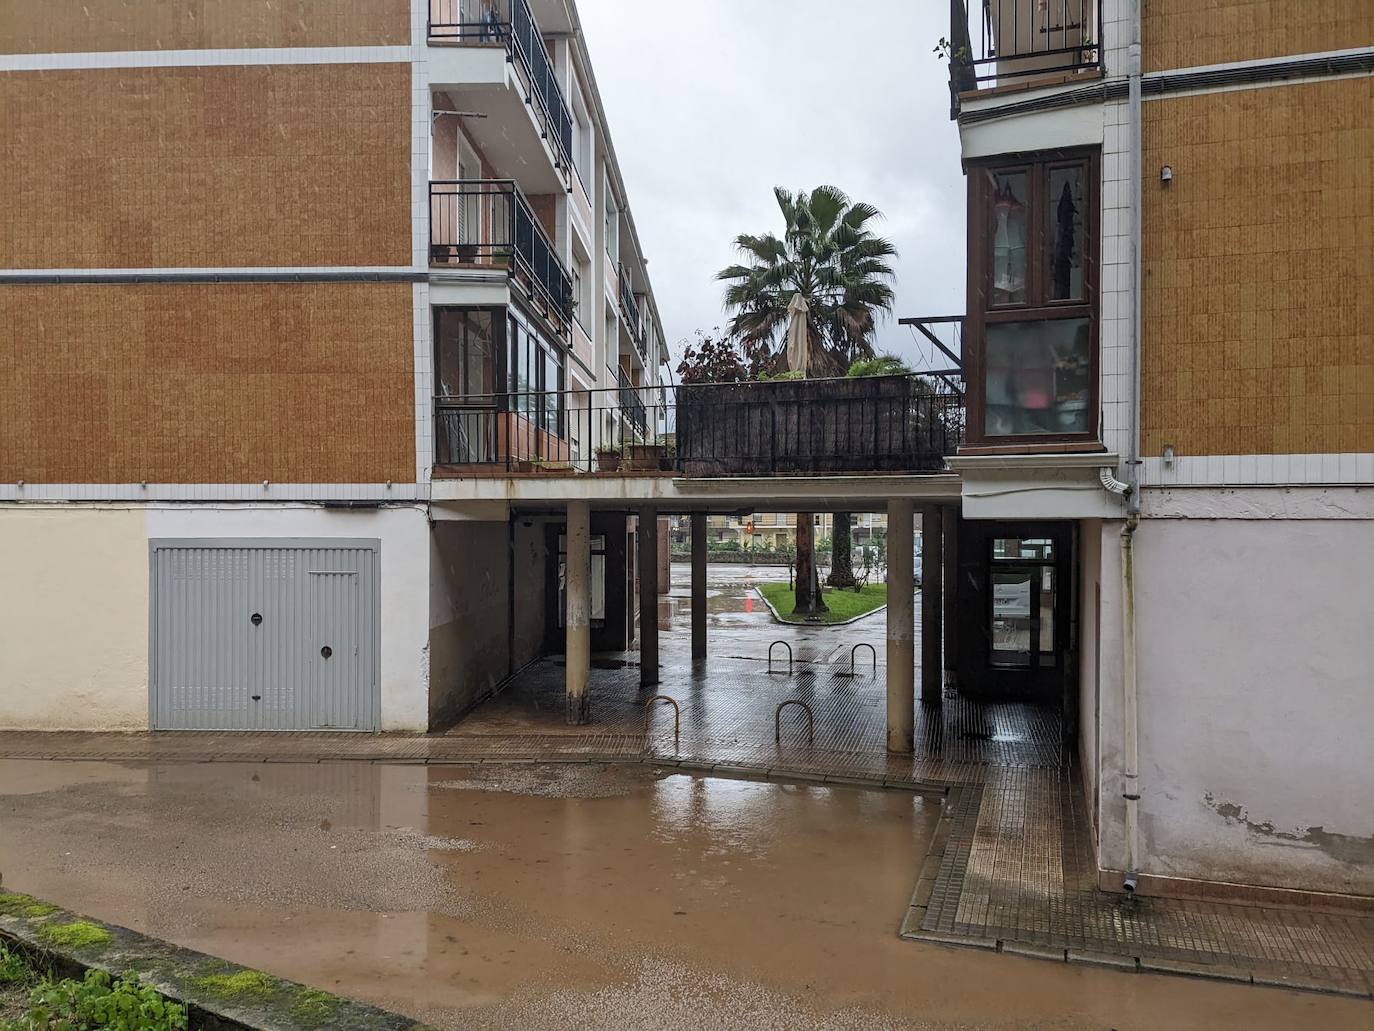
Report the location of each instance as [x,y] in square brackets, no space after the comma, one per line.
[607,458]
[645,456]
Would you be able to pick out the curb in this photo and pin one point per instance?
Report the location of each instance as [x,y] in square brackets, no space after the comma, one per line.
[219,995]
[802,622]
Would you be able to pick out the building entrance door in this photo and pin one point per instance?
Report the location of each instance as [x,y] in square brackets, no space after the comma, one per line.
[1013,595]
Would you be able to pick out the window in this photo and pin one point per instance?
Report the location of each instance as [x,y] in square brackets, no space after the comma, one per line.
[536,376]
[465,348]
[1033,309]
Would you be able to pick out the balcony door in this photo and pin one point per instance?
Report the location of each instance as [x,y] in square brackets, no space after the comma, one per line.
[470,208]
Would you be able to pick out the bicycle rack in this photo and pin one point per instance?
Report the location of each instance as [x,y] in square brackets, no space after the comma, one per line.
[855,650]
[810,721]
[789,657]
[677,714]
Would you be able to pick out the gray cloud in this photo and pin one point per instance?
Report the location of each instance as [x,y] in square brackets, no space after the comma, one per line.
[713,104]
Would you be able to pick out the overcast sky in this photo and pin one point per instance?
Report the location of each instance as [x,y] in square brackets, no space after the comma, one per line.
[711,104]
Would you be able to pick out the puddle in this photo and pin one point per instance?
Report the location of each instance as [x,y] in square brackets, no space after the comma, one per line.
[559,897]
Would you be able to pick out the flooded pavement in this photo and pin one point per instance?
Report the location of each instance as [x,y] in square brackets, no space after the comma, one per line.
[576,896]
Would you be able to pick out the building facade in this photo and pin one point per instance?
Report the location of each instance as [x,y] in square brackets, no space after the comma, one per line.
[1169,342]
[266,271]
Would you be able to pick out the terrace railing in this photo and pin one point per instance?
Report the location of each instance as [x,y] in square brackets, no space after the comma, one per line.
[476,223]
[1018,39]
[880,424]
[511,24]
[629,309]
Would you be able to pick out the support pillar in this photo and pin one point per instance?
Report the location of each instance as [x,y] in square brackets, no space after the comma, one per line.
[949,524]
[901,656]
[698,586]
[648,598]
[578,617]
[932,606]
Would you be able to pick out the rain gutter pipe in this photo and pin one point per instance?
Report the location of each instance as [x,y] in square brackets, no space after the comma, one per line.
[1130,778]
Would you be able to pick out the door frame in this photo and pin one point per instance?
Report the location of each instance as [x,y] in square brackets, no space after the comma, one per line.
[369,722]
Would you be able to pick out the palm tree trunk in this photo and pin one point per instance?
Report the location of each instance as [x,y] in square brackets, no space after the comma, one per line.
[841,553]
[808,586]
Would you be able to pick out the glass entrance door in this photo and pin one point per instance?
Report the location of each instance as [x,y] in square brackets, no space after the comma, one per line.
[1021,617]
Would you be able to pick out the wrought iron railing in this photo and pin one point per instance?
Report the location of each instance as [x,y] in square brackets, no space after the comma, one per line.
[629,309]
[880,424]
[632,405]
[1017,39]
[489,223]
[510,23]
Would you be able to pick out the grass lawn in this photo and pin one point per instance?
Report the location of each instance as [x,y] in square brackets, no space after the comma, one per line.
[842,604]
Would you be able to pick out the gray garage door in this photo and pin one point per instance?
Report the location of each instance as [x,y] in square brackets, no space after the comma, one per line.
[264,635]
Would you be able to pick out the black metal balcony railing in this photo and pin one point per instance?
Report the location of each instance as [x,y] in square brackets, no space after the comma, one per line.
[880,424]
[510,23]
[1022,38]
[629,308]
[488,222]
[631,401]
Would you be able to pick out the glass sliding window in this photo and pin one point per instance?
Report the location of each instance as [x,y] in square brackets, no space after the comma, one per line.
[1033,323]
[1065,233]
[1037,377]
[1010,237]
[465,352]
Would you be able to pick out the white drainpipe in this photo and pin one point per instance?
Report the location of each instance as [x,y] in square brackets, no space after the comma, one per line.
[1130,774]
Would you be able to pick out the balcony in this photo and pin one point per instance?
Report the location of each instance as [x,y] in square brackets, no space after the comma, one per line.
[488,225]
[879,425]
[629,310]
[508,25]
[1021,40]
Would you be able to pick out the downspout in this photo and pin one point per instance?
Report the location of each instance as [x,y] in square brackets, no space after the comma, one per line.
[1130,774]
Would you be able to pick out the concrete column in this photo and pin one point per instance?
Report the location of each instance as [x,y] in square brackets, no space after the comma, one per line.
[698,586]
[949,524]
[932,606]
[578,620]
[665,558]
[901,655]
[648,598]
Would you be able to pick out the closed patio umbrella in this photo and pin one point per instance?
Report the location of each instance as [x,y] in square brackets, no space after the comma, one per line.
[798,342]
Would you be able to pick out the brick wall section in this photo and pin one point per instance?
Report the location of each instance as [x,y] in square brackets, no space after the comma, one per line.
[1190,33]
[1258,333]
[57,27]
[221,383]
[206,167]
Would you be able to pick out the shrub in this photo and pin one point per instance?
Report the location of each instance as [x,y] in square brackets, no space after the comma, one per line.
[97,1001]
[881,365]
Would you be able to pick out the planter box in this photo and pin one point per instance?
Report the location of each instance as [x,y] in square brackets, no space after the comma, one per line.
[607,462]
[645,457]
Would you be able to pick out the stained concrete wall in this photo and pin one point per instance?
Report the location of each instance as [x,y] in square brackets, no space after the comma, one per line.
[1254,702]
[74,603]
[531,559]
[469,648]
[74,608]
[1090,589]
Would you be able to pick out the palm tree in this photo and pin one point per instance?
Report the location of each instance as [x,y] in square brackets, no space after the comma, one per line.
[830,256]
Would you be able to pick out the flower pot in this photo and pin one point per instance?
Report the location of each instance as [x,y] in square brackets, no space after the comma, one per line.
[607,461]
[645,457]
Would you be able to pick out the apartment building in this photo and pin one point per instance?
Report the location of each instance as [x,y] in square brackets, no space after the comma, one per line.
[1166,481]
[269,271]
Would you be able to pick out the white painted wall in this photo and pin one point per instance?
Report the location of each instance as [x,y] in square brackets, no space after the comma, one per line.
[73,618]
[1256,701]
[404,535]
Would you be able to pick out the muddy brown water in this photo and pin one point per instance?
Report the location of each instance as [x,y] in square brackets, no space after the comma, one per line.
[574,896]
